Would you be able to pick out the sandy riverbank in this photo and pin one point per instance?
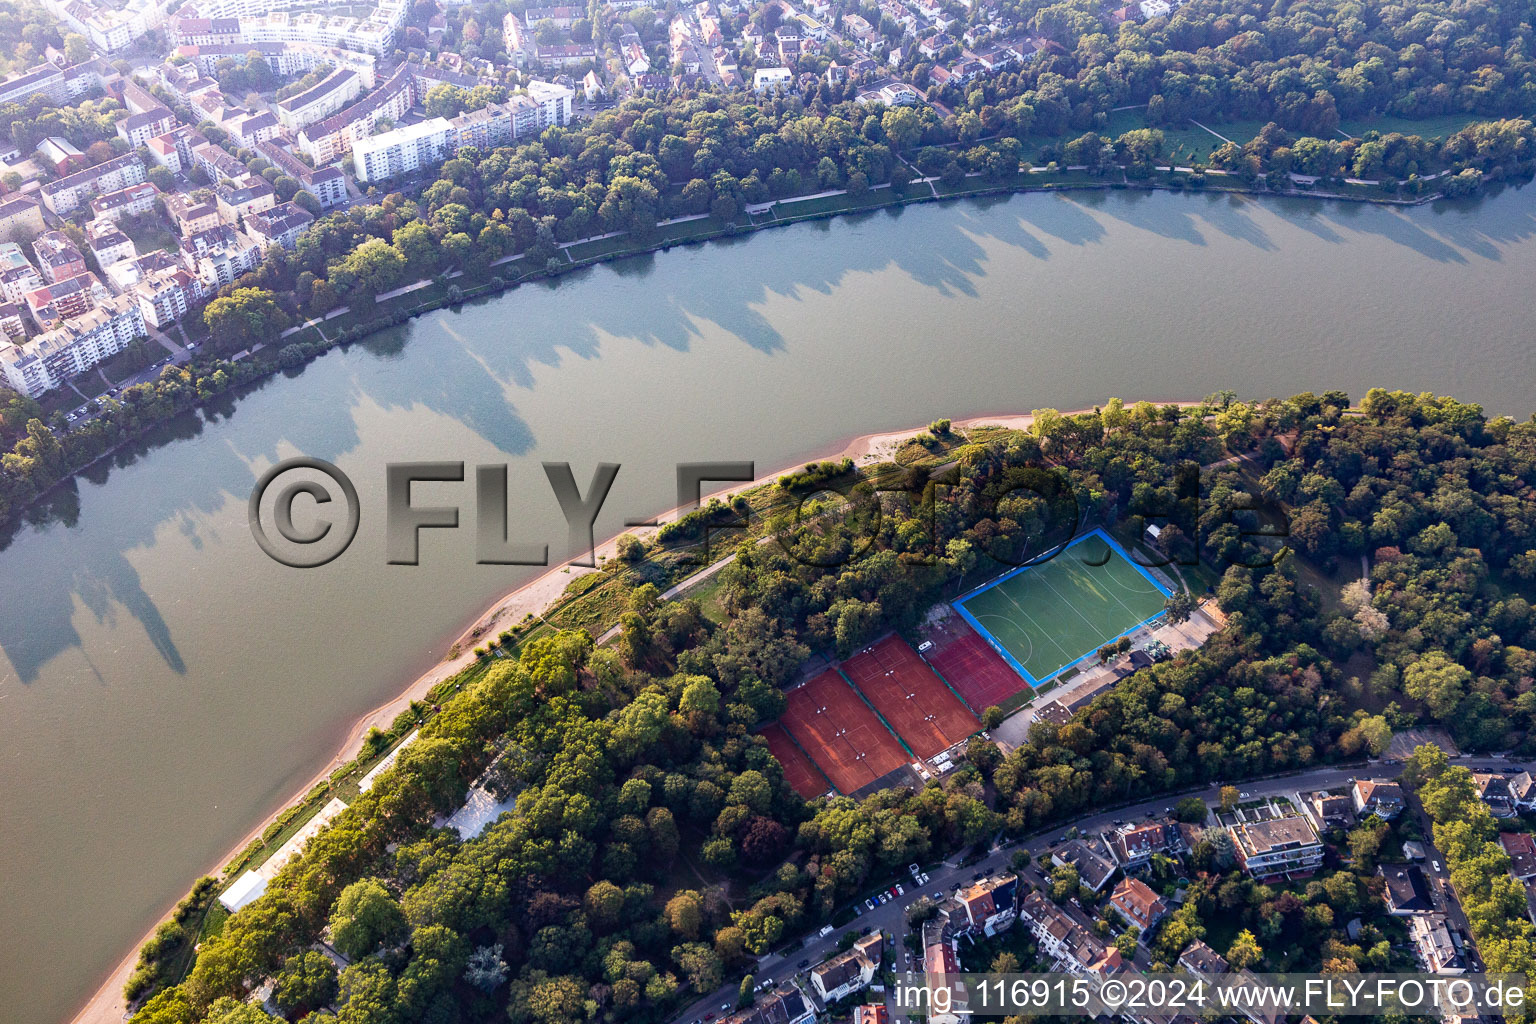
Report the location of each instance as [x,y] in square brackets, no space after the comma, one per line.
[107,1005]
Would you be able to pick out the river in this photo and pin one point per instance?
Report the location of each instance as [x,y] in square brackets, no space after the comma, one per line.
[163,685]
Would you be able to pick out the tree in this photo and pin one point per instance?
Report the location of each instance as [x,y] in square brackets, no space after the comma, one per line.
[902,127]
[1229,797]
[685,913]
[245,317]
[1437,681]
[77,48]
[307,982]
[365,917]
[486,970]
[1244,951]
[1179,606]
[1192,810]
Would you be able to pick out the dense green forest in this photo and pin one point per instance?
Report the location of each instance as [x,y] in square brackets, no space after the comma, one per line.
[637,765]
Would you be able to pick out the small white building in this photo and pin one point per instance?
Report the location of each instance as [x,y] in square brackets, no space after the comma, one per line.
[769,79]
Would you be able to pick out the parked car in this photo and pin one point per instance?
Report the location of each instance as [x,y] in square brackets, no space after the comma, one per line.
[804,964]
[869,904]
[914,869]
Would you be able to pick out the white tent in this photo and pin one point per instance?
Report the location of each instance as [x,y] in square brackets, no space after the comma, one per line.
[247,887]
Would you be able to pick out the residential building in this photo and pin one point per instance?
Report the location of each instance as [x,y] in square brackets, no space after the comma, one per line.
[1067,942]
[192,212]
[1406,892]
[46,79]
[251,194]
[327,184]
[1327,810]
[132,201]
[1134,845]
[871,1013]
[329,96]
[254,128]
[327,140]
[1522,789]
[68,194]
[848,972]
[127,273]
[281,225]
[1139,904]
[1094,861]
[21,219]
[57,256]
[163,151]
[109,28]
[553,102]
[1521,847]
[1495,792]
[16,282]
[1279,846]
[138,129]
[164,297]
[1433,944]
[1198,958]
[563,17]
[402,151]
[786,1005]
[12,326]
[52,304]
[290,59]
[516,39]
[75,346]
[769,79]
[108,243]
[219,255]
[990,905]
[377,33]
[484,129]
[1380,797]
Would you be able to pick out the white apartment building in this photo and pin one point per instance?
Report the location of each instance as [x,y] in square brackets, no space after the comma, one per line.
[402,150]
[109,29]
[330,96]
[411,148]
[554,101]
[163,297]
[69,193]
[75,346]
[108,243]
[378,33]
[219,255]
[285,59]
[327,140]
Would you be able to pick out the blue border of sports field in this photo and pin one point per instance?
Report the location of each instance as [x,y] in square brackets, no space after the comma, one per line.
[992,641]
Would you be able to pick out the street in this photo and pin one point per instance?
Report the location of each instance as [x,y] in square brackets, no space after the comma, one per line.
[782,964]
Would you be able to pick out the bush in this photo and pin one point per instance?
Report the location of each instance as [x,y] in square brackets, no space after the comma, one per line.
[290,357]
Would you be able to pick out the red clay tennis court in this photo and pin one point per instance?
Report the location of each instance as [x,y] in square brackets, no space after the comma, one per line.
[799,771]
[843,737]
[907,694]
[969,664]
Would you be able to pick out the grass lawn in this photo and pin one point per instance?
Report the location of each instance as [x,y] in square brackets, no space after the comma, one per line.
[149,232]
[834,204]
[1427,127]
[131,360]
